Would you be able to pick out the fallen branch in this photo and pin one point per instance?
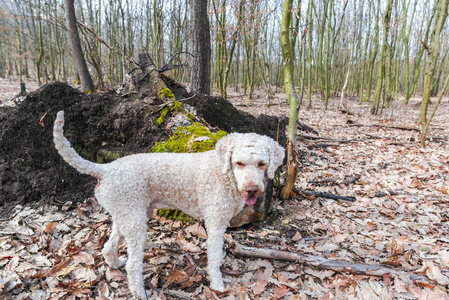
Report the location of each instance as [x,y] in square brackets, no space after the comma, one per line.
[324,181]
[313,261]
[325,195]
[325,264]
[304,127]
[386,126]
[320,138]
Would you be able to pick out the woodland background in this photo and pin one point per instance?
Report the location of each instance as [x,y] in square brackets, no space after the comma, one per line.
[329,37]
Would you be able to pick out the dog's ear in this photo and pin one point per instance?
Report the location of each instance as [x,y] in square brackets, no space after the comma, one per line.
[277,154]
[224,148]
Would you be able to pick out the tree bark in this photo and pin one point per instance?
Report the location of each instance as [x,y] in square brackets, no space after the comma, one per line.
[381,70]
[293,100]
[200,47]
[432,59]
[78,56]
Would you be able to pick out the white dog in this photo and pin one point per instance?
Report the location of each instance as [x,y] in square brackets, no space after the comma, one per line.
[212,186]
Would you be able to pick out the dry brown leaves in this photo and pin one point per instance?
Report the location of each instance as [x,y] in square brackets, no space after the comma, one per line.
[400,220]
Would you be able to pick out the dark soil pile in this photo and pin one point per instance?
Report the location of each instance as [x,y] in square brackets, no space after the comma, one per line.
[31,170]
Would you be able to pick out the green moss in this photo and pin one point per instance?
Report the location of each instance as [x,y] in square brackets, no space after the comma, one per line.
[177,107]
[191,117]
[163,116]
[104,156]
[166,93]
[174,214]
[174,107]
[184,140]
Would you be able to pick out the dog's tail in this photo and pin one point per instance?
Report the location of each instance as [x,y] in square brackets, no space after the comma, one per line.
[69,154]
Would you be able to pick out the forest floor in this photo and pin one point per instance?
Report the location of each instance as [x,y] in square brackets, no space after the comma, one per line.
[399,222]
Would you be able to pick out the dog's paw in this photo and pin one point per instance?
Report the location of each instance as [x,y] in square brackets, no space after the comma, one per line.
[121,262]
[217,286]
[141,294]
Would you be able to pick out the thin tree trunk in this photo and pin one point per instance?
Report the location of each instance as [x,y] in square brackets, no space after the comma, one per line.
[350,60]
[200,47]
[309,56]
[365,51]
[328,57]
[418,59]
[78,56]
[375,49]
[432,59]
[289,82]
[381,69]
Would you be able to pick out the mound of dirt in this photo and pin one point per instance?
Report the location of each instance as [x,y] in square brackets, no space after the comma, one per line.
[100,125]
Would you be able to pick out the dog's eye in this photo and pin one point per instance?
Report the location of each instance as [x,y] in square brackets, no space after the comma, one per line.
[240,164]
[261,164]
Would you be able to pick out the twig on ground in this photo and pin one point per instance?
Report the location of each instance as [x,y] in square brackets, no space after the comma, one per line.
[314,261]
[385,126]
[324,139]
[322,263]
[304,127]
[325,195]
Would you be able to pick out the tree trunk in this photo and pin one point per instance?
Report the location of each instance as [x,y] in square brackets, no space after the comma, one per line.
[293,100]
[200,47]
[432,59]
[365,51]
[327,75]
[309,56]
[381,69]
[78,56]
[418,58]
[374,49]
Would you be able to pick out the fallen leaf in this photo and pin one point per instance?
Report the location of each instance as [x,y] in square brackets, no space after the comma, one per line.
[280,292]
[61,268]
[187,246]
[338,238]
[297,236]
[399,285]
[83,257]
[259,288]
[41,121]
[434,273]
[50,227]
[444,254]
[84,274]
[176,276]
[424,284]
[387,279]
[197,230]
[115,275]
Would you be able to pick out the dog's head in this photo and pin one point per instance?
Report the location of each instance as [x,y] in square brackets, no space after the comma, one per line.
[247,157]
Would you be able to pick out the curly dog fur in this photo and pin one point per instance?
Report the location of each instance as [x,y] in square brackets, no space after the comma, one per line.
[212,186]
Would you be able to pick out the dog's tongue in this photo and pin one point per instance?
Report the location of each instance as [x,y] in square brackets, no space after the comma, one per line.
[250,200]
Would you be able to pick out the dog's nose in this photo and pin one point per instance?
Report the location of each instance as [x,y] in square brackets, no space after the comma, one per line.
[251,188]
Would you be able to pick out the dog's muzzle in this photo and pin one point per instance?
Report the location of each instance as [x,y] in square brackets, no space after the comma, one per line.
[251,193]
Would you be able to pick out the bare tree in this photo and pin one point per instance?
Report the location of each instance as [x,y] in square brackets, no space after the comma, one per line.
[288,54]
[200,47]
[431,64]
[78,55]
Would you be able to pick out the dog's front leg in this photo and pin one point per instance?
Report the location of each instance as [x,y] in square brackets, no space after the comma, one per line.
[215,236]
